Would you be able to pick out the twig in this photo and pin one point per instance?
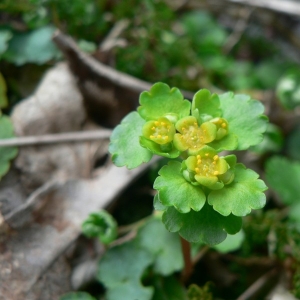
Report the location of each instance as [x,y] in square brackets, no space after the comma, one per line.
[67,45]
[200,254]
[238,30]
[288,7]
[257,285]
[113,38]
[56,138]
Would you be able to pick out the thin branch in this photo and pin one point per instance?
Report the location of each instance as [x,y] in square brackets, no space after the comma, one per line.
[80,136]
[200,254]
[238,30]
[68,46]
[258,284]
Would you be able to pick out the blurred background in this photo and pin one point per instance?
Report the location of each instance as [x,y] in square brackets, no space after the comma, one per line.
[71,66]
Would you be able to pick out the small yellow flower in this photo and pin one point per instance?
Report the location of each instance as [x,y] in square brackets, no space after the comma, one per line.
[160,131]
[207,167]
[193,137]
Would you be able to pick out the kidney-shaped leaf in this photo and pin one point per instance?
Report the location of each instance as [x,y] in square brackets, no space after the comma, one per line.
[206,225]
[162,100]
[245,118]
[246,192]
[125,143]
[175,191]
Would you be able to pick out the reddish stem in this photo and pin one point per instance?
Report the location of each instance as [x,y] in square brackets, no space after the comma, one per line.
[188,265]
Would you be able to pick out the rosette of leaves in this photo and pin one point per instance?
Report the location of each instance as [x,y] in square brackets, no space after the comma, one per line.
[205,196]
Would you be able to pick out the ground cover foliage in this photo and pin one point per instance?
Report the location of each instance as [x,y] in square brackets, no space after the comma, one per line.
[227,49]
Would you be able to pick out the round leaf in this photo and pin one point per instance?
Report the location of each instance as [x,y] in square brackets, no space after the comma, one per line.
[242,195]
[32,47]
[245,118]
[175,191]
[205,226]
[162,100]
[120,270]
[125,146]
[166,249]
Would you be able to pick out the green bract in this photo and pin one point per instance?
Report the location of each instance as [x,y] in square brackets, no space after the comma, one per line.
[203,194]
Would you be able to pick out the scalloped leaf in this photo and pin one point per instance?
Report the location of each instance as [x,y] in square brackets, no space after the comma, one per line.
[166,249]
[6,153]
[205,226]
[175,191]
[157,204]
[283,177]
[206,104]
[120,270]
[245,193]
[125,143]
[245,118]
[162,100]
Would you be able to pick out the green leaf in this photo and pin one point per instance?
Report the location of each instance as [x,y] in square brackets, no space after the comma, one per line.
[242,195]
[5,36]
[157,204]
[164,245]
[6,153]
[77,296]
[32,47]
[102,225]
[283,176]
[124,143]
[205,226]
[206,104]
[245,118]
[3,89]
[120,270]
[232,243]
[175,191]
[162,100]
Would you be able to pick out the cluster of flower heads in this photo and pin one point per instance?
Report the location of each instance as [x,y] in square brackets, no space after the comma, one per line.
[191,134]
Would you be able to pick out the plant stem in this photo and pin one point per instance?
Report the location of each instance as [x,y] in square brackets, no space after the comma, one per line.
[188,265]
